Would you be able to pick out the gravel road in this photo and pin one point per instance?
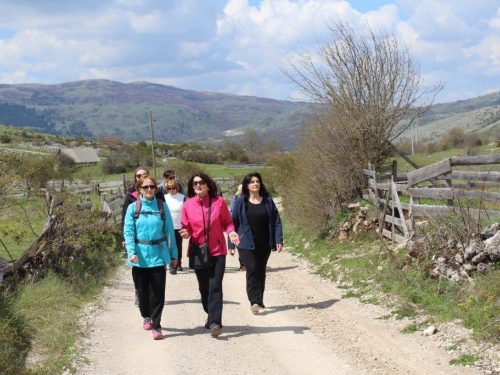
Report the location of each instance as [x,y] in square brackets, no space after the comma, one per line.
[307,328]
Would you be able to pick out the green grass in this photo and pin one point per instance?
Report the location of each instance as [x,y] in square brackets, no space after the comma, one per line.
[50,310]
[42,316]
[412,328]
[465,360]
[17,219]
[477,305]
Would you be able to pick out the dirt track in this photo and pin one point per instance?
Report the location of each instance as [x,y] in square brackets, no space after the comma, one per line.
[306,329]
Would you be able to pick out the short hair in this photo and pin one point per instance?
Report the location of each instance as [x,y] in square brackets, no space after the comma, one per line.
[141,180]
[262,191]
[171,184]
[212,189]
[168,172]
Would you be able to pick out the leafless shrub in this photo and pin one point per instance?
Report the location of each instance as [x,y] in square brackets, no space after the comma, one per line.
[366,89]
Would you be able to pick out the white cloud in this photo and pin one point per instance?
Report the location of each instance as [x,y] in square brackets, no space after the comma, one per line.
[233,46]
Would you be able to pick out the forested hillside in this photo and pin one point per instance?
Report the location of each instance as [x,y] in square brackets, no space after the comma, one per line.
[101,107]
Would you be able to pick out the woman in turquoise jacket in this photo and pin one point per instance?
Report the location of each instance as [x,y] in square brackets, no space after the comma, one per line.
[150,243]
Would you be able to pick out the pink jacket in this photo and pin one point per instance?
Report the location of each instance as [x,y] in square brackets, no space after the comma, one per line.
[220,221]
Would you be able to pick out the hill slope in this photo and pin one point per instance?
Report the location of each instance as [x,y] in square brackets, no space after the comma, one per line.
[100,107]
[479,115]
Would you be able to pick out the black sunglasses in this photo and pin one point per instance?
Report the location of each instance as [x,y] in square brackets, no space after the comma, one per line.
[145,187]
[200,182]
[171,189]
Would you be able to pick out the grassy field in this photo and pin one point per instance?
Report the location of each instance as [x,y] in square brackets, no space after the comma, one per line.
[423,159]
[21,221]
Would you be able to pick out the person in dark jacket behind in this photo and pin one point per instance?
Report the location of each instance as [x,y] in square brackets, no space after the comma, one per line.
[131,197]
[235,197]
[258,223]
[169,175]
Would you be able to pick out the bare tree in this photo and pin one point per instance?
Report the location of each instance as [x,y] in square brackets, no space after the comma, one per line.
[368,82]
[251,141]
[365,89]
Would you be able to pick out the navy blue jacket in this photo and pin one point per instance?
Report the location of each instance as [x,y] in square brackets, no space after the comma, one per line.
[240,220]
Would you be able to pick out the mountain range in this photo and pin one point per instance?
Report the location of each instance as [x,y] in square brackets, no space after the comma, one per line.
[100,107]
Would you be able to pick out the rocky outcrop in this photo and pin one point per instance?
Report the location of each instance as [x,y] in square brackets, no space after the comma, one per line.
[359,221]
[456,260]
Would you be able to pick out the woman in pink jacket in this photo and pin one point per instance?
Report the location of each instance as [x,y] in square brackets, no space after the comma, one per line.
[202,193]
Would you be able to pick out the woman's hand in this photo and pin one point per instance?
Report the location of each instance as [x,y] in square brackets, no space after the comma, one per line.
[134,259]
[231,251]
[279,247]
[174,263]
[234,238]
[184,233]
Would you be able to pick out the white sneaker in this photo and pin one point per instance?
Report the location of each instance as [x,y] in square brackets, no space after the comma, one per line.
[255,309]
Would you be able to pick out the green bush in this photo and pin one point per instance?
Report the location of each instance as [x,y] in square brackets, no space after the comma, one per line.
[5,139]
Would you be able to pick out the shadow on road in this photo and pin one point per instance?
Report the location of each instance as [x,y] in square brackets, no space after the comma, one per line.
[316,305]
[278,269]
[229,332]
[196,301]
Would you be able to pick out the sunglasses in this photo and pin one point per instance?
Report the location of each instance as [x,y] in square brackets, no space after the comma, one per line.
[146,187]
[200,182]
[171,178]
[171,189]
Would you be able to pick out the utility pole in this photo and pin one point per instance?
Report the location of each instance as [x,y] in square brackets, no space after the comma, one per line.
[411,127]
[152,141]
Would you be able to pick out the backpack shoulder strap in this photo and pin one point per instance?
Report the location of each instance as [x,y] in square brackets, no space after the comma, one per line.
[138,206]
[160,208]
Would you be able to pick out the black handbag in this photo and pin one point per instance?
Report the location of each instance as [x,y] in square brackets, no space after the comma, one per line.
[199,255]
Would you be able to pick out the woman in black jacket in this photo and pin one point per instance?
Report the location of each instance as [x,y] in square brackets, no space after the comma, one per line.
[131,197]
[258,224]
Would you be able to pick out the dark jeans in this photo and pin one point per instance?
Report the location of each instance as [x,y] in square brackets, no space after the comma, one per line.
[255,262]
[178,242]
[151,286]
[210,284]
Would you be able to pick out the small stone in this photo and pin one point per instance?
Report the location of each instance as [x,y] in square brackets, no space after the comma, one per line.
[429,331]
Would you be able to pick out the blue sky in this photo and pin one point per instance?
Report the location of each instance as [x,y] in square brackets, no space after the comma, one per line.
[237,46]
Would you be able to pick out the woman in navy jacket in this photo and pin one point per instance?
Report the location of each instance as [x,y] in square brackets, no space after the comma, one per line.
[258,224]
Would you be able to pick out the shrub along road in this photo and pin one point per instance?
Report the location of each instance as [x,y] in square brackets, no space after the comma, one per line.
[307,328]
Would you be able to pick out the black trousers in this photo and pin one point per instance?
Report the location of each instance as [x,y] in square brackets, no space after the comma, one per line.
[178,242]
[210,285]
[255,262]
[151,286]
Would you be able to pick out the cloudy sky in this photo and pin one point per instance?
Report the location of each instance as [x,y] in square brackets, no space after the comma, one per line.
[237,46]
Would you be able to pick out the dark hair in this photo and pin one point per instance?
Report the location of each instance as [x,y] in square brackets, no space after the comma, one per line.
[246,180]
[212,190]
[140,167]
[168,172]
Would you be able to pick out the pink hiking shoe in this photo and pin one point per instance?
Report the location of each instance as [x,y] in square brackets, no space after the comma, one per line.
[157,334]
[147,324]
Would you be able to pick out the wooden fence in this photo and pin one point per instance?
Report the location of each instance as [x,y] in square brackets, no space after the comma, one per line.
[111,210]
[438,189]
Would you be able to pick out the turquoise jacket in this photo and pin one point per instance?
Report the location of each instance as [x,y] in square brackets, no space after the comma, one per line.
[149,227]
